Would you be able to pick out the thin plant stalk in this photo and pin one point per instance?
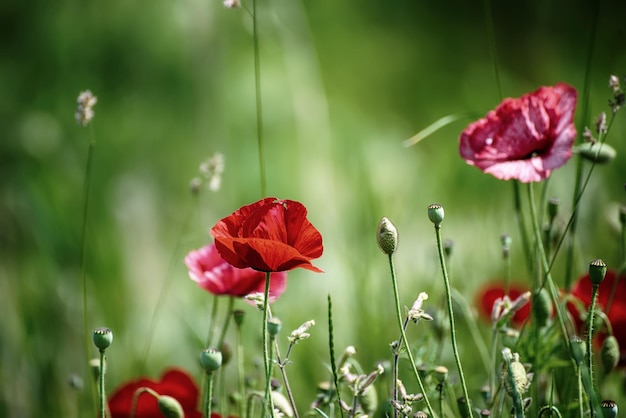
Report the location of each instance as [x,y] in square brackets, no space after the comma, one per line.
[259,103]
[521,222]
[101,392]
[579,163]
[594,296]
[166,285]
[281,365]
[396,359]
[331,349]
[83,253]
[229,314]
[404,339]
[446,280]
[240,373]
[209,395]
[266,347]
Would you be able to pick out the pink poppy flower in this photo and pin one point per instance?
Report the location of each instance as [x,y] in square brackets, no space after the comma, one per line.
[617,311]
[212,273]
[174,382]
[525,138]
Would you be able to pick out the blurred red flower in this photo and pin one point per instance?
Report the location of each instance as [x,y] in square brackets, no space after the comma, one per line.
[269,235]
[174,382]
[208,269]
[491,292]
[524,138]
[617,311]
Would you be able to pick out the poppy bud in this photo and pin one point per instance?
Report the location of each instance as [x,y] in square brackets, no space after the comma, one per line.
[210,359]
[543,307]
[596,152]
[553,207]
[448,246]
[622,216]
[463,407]
[170,407]
[368,399]
[94,366]
[441,373]
[273,326]
[520,378]
[609,408]
[227,353]
[102,338]
[387,236]
[436,214]
[282,404]
[597,271]
[578,349]
[239,315]
[609,353]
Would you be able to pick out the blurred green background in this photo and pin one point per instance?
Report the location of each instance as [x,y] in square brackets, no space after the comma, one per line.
[343,83]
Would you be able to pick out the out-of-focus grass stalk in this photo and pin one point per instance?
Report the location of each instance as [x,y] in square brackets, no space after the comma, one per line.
[259,102]
[266,350]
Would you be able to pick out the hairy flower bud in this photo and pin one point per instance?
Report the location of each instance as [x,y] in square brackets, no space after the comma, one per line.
[387,236]
[170,407]
[609,353]
[543,307]
[596,152]
[578,349]
[273,326]
[597,271]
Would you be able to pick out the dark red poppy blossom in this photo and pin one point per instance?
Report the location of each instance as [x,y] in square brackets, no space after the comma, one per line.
[524,138]
[212,273]
[617,311]
[174,382]
[269,235]
[491,292]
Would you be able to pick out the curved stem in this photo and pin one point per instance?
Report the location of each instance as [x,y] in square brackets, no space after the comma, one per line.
[404,339]
[455,348]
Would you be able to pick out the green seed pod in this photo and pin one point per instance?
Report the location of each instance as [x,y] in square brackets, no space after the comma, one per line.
[436,214]
[553,207]
[579,349]
[596,152]
[464,408]
[387,236]
[597,271]
[543,307]
[273,326]
[239,315]
[609,408]
[520,378]
[227,353]
[170,407]
[211,359]
[102,338]
[609,353]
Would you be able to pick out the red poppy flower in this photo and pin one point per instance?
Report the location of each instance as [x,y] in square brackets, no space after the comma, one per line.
[269,235]
[617,311]
[525,138]
[174,382]
[488,295]
[208,269]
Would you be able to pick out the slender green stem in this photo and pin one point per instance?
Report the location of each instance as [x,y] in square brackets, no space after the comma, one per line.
[209,395]
[569,263]
[404,339]
[521,222]
[455,348]
[212,317]
[240,374]
[83,253]
[259,104]
[493,51]
[166,285]
[331,349]
[101,391]
[592,307]
[581,409]
[281,365]
[441,388]
[138,392]
[266,348]
[229,314]
[396,360]
[546,268]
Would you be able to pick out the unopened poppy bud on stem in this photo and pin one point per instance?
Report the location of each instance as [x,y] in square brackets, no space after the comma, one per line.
[170,407]
[609,353]
[102,338]
[387,236]
[273,326]
[436,214]
[597,271]
[211,360]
